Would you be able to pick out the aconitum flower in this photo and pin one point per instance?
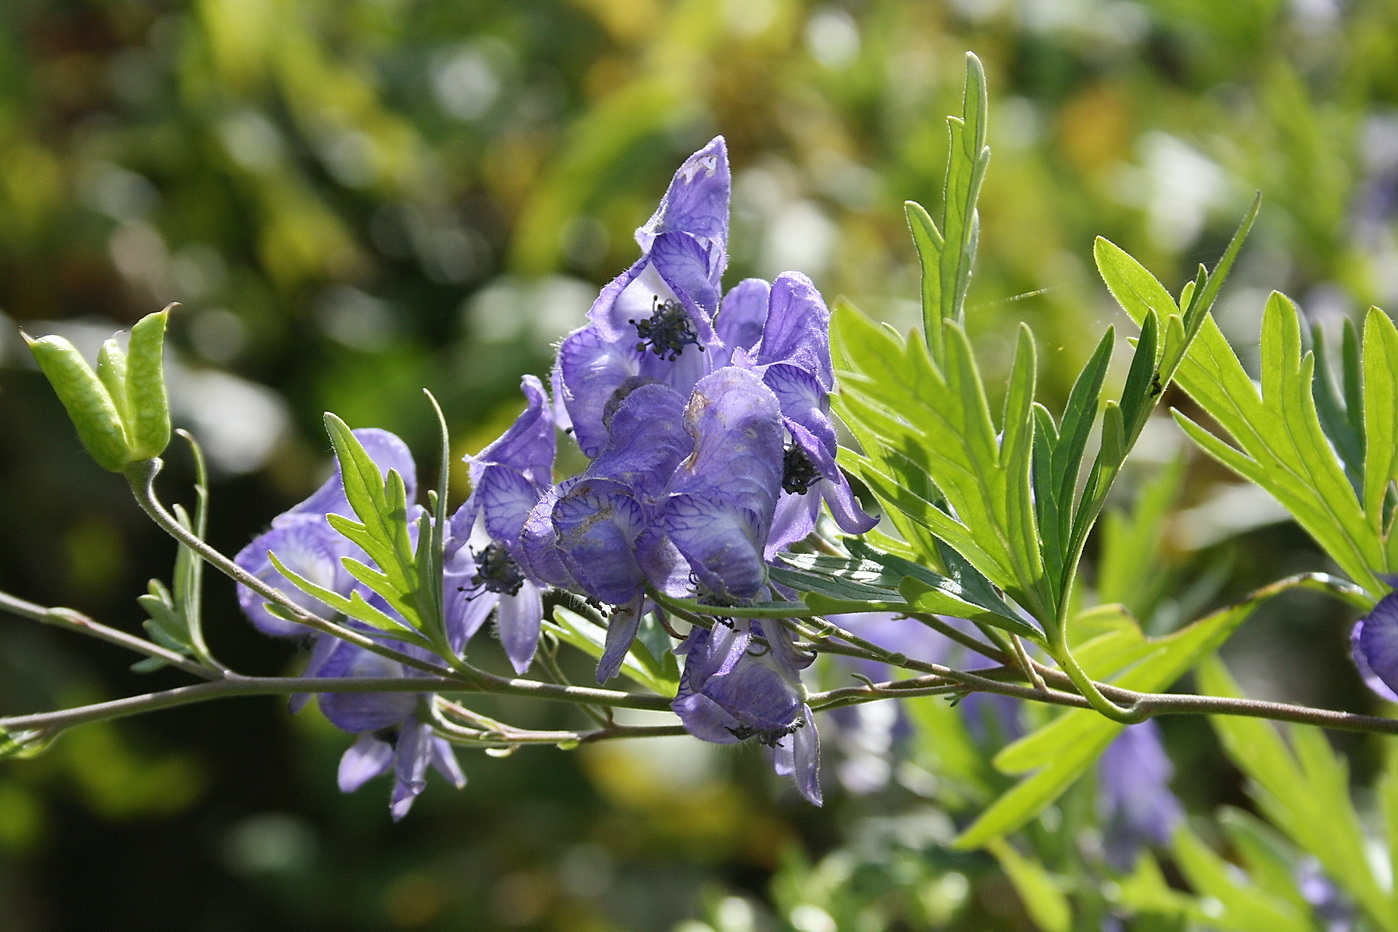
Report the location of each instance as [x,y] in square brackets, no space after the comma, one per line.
[655,320]
[734,689]
[508,478]
[390,734]
[782,331]
[1374,641]
[305,542]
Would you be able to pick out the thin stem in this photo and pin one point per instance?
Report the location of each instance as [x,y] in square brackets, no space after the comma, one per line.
[233,685]
[141,476]
[1026,663]
[1086,685]
[73,620]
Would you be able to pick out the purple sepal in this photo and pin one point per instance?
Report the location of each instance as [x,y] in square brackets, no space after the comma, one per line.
[596,524]
[363,761]
[309,547]
[1135,803]
[363,712]
[1374,642]
[621,631]
[520,618]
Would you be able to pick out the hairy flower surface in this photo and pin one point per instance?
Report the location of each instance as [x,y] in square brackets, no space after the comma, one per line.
[736,690]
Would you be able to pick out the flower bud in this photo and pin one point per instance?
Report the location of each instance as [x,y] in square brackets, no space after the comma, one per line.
[147,409]
[89,404]
[121,410]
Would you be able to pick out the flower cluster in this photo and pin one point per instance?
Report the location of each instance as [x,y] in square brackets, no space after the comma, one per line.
[705,421]
[391,734]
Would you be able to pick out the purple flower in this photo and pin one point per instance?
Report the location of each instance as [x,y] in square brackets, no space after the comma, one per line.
[1134,799]
[783,332]
[734,689]
[485,547]
[1375,646]
[304,541]
[390,735]
[655,320]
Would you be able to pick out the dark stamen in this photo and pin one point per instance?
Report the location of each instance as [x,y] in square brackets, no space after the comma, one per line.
[496,571]
[798,472]
[667,331]
[768,736]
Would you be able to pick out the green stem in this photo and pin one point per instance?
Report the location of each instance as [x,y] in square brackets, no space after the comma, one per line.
[76,621]
[141,476]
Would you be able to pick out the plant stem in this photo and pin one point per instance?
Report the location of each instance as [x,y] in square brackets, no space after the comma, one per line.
[142,475]
[74,620]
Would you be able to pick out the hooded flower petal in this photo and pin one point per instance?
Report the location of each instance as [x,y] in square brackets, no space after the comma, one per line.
[309,547]
[1375,645]
[655,319]
[722,499]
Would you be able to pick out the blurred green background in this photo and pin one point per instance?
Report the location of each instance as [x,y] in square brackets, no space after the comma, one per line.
[356,199]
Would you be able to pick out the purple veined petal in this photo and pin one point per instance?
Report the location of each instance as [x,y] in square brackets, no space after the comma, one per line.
[386,450]
[621,631]
[723,543]
[723,497]
[363,761]
[646,440]
[445,763]
[596,524]
[798,755]
[503,499]
[662,563]
[741,317]
[736,424]
[590,369]
[793,521]
[309,547]
[540,556]
[519,619]
[797,329]
[1375,646]
[411,756]
[803,401]
[833,487]
[364,712]
[696,201]
[687,267]
[527,447]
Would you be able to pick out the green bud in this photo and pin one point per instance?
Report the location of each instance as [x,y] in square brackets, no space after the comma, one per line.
[111,370]
[147,407]
[87,400]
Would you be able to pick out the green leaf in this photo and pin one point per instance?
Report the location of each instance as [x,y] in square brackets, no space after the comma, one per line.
[1040,891]
[1069,744]
[1135,289]
[1243,906]
[354,607]
[1280,443]
[1380,412]
[1269,860]
[1344,432]
[380,503]
[1304,790]
[639,665]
